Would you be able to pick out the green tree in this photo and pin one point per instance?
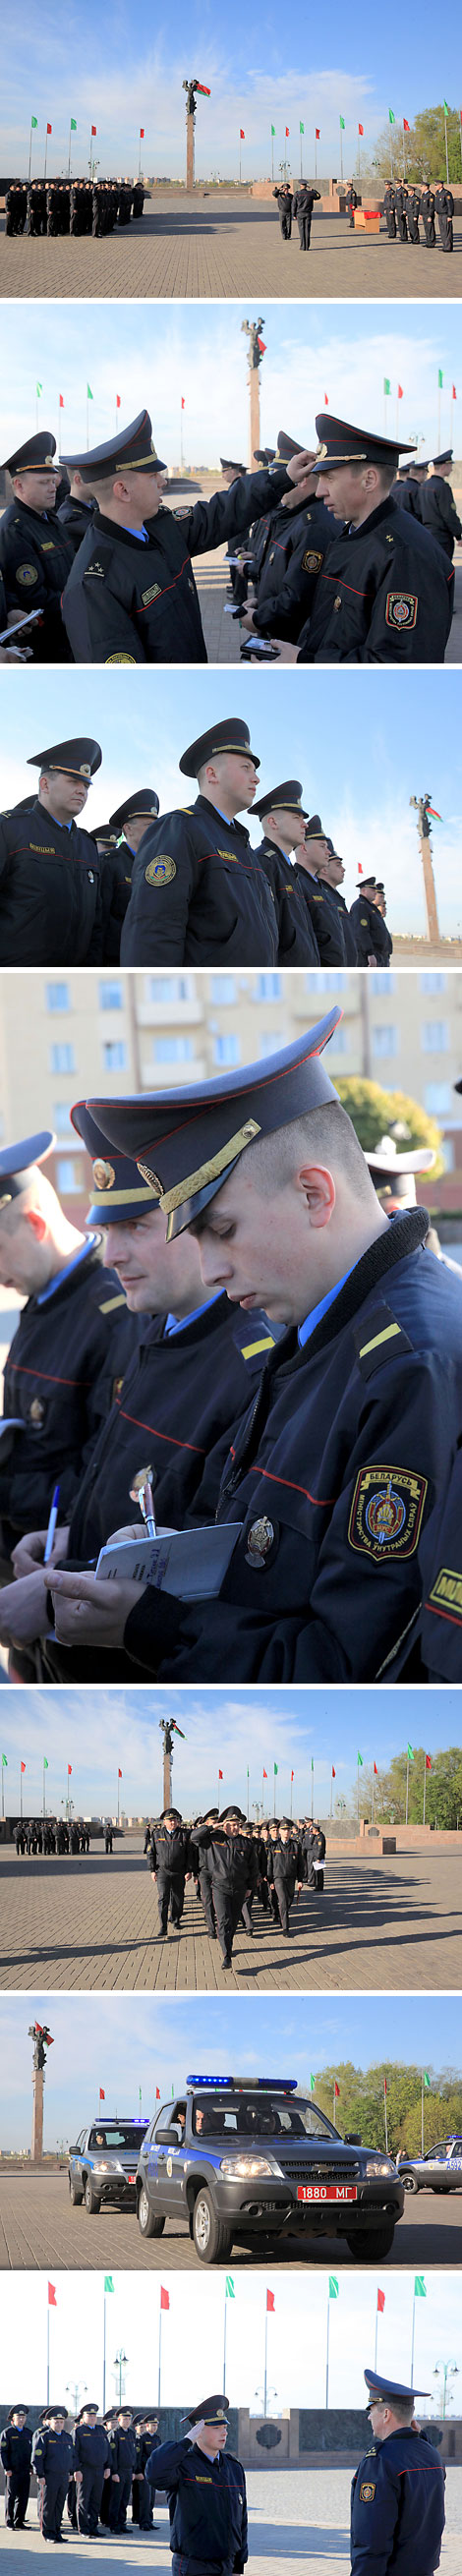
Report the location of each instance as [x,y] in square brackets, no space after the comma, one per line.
[422,152]
[374,1113]
[361,2105]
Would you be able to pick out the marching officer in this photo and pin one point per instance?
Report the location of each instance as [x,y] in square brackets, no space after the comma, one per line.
[206,2493]
[51,909]
[16,2454]
[437,505]
[170,1865]
[284,1870]
[35,554]
[52,2459]
[304,200]
[397,2497]
[70,1343]
[92,2465]
[381,596]
[233,1874]
[200,895]
[284,818]
[131,594]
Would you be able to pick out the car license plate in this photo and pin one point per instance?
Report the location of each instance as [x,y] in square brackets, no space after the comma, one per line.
[326,2191]
[131,2177]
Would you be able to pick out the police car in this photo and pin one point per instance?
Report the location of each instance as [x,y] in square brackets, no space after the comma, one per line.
[440,2169]
[103,2163]
[236,2160]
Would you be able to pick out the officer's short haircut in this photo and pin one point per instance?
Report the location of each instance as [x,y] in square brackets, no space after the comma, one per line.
[386,473]
[402,2407]
[323,1135]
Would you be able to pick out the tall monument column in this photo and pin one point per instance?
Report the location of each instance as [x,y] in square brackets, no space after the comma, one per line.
[41,2036]
[256,353]
[423,807]
[168,1728]
[192,87]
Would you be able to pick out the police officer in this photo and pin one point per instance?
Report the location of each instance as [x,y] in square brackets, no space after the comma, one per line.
[352,201]
[70,1343]
[406,488]
[331,871]
[15,208]
[381,595]
[237,571]
[284,819]
[437,505]
[20,1838]
[401,204]
[444,202]
[108,1831]
[15,2454]
[386,942]
[233,1874]
[143,2491]
[284,1870]
[76,511]
[397,2496]
[202,1860]
[92,2465]
[35,554]
[389,208]
[319,1584]
[413,212]
[170,1867]
[206,2494]
[287,563]
[304,200]
[324,913]
[123,2462]
[130,819]
[131,594]
[52,2456]
[427,209]
[368,928]
[284,202]
[199,893]
[51,909]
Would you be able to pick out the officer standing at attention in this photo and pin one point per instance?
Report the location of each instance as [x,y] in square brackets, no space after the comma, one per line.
[72,1339]
[331,870]
[35,554]
[283,814]
[143,2492]
[92,2464]
[15,2454]
[133,819]
[304,201]
[311,848]
[413,212]
[401,205]
[52,2452]
[389,208]
[76,511]
[131,594]
[427,209]
[123,2463]
[206,2494]
[170,1866]
[108,1831]
[51,909]
[200,895]
[397,2497]
[437,505]
[381,596]
[444,202]
[369,931]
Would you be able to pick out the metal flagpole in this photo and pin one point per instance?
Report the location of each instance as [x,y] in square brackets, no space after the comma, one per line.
[413,2333]
[48,2351]
[425,1765]
[104,2352]
[312,1786]
[407,1789]
[386,2124]
[327,2347]
[160,2341]
[266,2360]
[446,141]
[316,154]
[224,2347]
[46,150]
[376,2332]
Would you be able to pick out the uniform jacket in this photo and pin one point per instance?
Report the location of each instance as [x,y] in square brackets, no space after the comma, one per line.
[199,895]
[431,1647]
[284,1863]
[347,926]
[382,596]
[206,2502]
[294,552]
[16,2449]
[91,2447]
[297,945]
[52,2455]
[438,513]
[325,918]
[397,2508]
[62,1368]
[368,928]
[123,2452]
[51,909]
[131,602]
[171,1855]
[232,1857]
[76,518]
[35,558]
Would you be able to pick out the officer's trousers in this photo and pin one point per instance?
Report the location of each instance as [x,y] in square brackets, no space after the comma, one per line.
[170,1893]
[89,2500]
[304,228]
[228,1907]
[52,2509]
[120,2498]
[16,2498]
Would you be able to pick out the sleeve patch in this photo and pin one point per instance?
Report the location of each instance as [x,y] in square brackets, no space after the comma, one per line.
[386,1512]
[377,1339]
[367,2492]
[311,562]
[26,575]
[446,1595]
[160,871]
[119,657]
[401,609]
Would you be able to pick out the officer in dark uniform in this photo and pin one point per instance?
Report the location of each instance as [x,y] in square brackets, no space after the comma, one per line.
[304,200]
[143,2492]
[20,1839]
[406,488]
[92,2465]
[15,2454]
[286,566]
[35,555]
[133,819]
[108,1835]
[397,2496]
[123,2462]
[135,814]
[131,595]
[381,595]
[320,1582]
[352,201]
[386,942]
[284,816]
[76,512]
[427,209]
[413,212]
[389,208]
[199,894]
[170,1867]
[52,2454]
[444,203]
[238,576]
[15,207]
[284,202]
[206,2495]
[331,870]
[368,927]
[401,205]
[200,1864]
[324,915]
[233,1874]
[437,505]
[284,1870]
[51,910]
[71,1341]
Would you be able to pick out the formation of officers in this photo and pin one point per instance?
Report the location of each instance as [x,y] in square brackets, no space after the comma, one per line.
[111,2464]
[71,206]
[233,1862]
[183,887]
[104,569]
[404,207]
[38,1837]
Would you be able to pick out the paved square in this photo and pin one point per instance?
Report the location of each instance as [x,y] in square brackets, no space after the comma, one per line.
[223,634]
[228,247]
[387,1925]
[297,2515]
[41,2232]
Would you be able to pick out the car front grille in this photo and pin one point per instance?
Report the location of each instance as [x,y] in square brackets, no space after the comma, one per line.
[307,2171]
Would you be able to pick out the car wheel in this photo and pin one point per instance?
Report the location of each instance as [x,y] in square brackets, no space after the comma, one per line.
[149,2224]
[410,2182]
[371,2244]
[92,2204]
[212,2240]
[75,2192]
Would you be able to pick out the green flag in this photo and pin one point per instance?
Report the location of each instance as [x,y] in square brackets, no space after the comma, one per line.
[392,118]
[445,105]
[33,120]
[333,2286]
[39,390]
[139,2094]
[386,385]
[419,2286]
[440,379]
[273,129]
[73,125]
[311,2083]
[427,2082]
[45,1764]
[108,2281]
[410,1755]
[276,1768]
[312,1763]
[89,393]
[230,2290]
[302,129]
[4,1762]
[342,122]
[360,1758]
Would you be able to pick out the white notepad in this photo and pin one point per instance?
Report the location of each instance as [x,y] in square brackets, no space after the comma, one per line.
[190,1563]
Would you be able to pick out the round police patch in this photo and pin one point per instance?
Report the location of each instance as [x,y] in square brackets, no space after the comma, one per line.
[311,562]
[161,870]
[386,1512]
[26,575]
[120,657]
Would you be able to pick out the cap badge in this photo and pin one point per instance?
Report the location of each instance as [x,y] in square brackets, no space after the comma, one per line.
[103,1175]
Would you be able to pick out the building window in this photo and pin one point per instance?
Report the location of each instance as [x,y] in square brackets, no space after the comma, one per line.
[57,997]
[268,988]
[168,988]
[226,1048]
[62,1059]
[266,1038]
[65,1177]
[434,982]
[172,1050]
[60,1115]
[447,1150]
[223,988]
[114,1055]
[111,997]
[384,1040]
[325,979]
[438,1099]
[384,984]
[435,1037]
[341,1041]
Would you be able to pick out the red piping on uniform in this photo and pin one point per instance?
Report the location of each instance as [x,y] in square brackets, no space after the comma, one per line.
[47,1375]
[345,585]
[443,1614]
[169,585]
[161,1435]
[291,1487]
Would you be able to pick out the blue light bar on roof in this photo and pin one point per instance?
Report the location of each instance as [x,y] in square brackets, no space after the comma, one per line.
[242,2083]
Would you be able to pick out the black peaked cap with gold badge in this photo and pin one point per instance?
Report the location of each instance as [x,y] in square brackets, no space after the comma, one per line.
[120,1195]
[342,444]
[382,2391]
[80,757]
[132,452]
[285,799]
[212,2410]
[229,734]
[144,801]
[195,1136]
[34,454]
[19,1162]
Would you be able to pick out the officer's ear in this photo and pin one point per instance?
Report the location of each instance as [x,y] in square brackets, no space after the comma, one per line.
[38,1224]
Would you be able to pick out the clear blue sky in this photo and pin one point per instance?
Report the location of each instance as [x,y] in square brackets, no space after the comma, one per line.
[114,70]
[97,1731]
[361,742]
[123,2042]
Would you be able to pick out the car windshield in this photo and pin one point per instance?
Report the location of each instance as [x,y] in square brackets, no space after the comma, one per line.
[123,2133]
[258,2115]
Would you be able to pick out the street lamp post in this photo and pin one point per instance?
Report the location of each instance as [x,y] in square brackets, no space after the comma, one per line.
[445,2370]
[120,2364]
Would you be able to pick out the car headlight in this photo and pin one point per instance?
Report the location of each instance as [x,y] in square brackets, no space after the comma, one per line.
[380,2165]
[106,2168]
[245,2168]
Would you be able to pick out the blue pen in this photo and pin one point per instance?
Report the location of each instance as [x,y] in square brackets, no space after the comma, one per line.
[51,1526]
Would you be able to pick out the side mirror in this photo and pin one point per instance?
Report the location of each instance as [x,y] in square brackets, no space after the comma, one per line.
[352,2138]
[167,2138]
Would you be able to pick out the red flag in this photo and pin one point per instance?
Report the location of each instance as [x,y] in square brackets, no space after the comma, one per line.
[49,129]
[336,2091]
[119,1775]
[157,2093]
[117,402]
[220,1775]
[360,869]
[318,132]
[326,398]
[69,1766]
[292,1775]
[51,2295]
[182,402]
[241,134]
[93,129]
[334,1775]
[61,402]
[141,133]
[406,127]
[287,130]
[454,395]
[102,2095]
[270,2303]
[164,2297]
[261,344]
[375,1764]
[360,129]
[265,1774]
[428,1762]
[23,1766]
[380,2302]
[400,393]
